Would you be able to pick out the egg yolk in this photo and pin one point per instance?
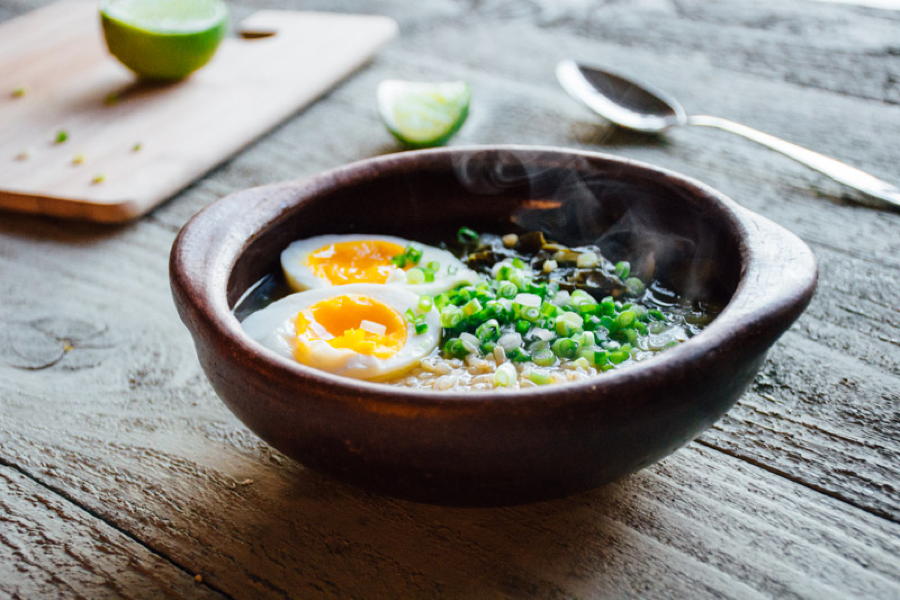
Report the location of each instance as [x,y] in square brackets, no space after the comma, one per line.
[358,323]
[359,261]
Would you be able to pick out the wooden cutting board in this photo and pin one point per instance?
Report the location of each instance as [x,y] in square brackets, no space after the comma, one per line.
[184,129]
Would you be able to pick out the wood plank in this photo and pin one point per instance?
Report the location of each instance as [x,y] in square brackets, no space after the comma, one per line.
[52,549]
[183,128]
[845,49]
[90,337]
[201,489]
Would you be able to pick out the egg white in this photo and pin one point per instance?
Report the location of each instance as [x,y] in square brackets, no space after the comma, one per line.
[273,327]
[300,277]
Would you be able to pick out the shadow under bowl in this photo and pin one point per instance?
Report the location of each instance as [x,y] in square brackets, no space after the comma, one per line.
[489,448]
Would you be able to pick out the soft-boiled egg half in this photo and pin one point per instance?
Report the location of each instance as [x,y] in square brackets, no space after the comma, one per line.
[330,260]
[357,330]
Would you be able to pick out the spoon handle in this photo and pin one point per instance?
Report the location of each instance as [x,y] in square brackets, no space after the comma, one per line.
[871,186]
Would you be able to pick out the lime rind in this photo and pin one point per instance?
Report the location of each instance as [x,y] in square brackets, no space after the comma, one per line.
[163,39]
[423,114]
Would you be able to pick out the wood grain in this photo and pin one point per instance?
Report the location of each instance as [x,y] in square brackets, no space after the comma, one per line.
[183,128]
[793,494]
[50,548]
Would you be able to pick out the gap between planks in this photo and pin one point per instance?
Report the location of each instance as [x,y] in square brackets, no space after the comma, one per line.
[785,475]
[165,556]
[68,498]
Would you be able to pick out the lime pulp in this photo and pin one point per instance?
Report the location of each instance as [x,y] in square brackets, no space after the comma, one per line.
[421,114]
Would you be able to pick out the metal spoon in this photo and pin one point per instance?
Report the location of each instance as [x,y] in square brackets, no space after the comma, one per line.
[642,107]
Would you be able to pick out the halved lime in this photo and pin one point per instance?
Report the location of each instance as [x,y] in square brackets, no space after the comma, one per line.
[423,114]
[163,39]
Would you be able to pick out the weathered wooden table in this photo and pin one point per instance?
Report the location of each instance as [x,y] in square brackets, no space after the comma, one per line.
[123,475]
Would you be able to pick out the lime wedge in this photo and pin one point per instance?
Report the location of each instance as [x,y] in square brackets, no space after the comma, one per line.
[163,39]
[423,114]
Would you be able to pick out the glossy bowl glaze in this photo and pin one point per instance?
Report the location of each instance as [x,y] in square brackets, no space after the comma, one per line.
[503,446]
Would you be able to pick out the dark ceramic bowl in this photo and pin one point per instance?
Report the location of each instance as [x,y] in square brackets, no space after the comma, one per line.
[495,447]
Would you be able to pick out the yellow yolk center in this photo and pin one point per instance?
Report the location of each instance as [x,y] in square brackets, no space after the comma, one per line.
[360,261]
[358,323]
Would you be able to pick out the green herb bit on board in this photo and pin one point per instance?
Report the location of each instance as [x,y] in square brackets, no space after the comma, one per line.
[61,136]
[98,179]
[19,92]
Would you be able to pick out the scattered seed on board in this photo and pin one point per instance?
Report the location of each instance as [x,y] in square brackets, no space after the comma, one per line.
[510,240]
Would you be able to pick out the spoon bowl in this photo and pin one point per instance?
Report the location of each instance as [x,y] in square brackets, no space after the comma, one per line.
[625,102]
[636,105]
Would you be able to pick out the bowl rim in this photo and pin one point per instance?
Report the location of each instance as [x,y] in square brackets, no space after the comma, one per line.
[745,311]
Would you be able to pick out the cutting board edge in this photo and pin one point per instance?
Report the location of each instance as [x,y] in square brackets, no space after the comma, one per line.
[129,207]
[117,211]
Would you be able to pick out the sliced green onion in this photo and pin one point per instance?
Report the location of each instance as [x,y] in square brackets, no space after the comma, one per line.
[582,363]
[541,334]
[470,342]
[568,323]
[522,326]
[511,340]
[548,309]
[454,348]
[488,331]
[518,263]
[544,358]
[562,298]
[539,377]
[450,316]
[585,338]
[415,276]
[538,289]
[507,289]
[505,375]
[565,348]
[504,270]
[594,355]
[579,297]
[634,286]
[517,355]
[588,308]
[607,307]
[425,304]
[623,269]
[465,235]
[625,319]
[592,322]
[618,356]
[656,314]
[520,279]
[421,328]
[471,307]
